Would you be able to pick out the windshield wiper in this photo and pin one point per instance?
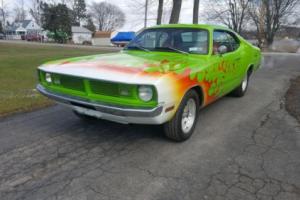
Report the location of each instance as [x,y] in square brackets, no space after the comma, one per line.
[177,50]
[139,47]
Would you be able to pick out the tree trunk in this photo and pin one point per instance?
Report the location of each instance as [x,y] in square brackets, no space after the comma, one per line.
[175,12]
[270,37]
[146,13]
[160,11]
[196,12]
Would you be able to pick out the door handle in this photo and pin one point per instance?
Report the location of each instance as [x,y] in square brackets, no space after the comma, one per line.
[237,59]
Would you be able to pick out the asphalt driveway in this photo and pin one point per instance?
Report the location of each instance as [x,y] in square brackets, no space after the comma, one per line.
[243,148]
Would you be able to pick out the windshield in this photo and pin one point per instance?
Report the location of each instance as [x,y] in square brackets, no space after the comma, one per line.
[183,40]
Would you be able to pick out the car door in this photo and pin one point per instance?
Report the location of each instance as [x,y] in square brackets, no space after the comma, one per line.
[228,61]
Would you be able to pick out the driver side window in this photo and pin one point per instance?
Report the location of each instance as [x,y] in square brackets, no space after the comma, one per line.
[224,38]
[153,39]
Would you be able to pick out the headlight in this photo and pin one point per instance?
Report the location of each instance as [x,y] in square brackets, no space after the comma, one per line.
[48,78]
[145,93]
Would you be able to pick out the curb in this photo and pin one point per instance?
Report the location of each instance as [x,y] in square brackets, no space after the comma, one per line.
[279,53]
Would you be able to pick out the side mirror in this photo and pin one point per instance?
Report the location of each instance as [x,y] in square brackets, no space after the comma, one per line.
[222,49]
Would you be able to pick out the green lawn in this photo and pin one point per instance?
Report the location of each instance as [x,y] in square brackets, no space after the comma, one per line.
[18,63]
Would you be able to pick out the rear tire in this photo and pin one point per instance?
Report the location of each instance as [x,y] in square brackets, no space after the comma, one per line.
[241,90]
[182,125]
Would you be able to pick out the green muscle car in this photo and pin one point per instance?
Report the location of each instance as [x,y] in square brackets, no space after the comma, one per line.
[163,76]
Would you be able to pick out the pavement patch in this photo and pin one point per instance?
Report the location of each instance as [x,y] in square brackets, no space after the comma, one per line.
[292,98]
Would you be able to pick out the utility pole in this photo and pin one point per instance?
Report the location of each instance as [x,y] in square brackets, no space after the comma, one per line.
[146,13]
[262,14]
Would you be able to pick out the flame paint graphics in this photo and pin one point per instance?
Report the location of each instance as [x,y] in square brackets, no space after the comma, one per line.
[184,82]
[183,79]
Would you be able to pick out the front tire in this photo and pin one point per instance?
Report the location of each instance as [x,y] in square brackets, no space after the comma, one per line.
[83,116]
[182,125]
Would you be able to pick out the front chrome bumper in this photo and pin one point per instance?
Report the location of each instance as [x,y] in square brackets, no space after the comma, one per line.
[109,112]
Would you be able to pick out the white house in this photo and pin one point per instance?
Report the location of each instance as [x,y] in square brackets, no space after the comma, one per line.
[81,35]
[102,38]
[17,29]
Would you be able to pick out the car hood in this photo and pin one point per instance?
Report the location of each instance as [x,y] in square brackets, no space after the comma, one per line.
[125,66]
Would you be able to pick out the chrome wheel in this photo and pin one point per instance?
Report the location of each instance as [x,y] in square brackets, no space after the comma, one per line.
[245,83]
[182,125]
[188,116]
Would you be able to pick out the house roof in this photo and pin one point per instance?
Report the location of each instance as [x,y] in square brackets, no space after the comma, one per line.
[21,24]
[25,23]
[12,28]
[79,29]
[102,34]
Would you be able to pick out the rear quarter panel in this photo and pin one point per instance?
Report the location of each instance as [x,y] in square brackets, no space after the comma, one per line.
[252,55]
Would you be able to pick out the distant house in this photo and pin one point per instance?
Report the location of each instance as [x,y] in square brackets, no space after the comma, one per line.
[289,31]
[26,27]
[285,31]
[102,38]
[80,35]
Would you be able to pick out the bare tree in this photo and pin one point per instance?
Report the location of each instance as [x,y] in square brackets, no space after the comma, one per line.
[160,11]
[35,11]
[108,17]
[137,8]
[3,13]
[174,19]
[196,12]
[20,12]
[256,8]
[231,13]
[145,10]
[268,16]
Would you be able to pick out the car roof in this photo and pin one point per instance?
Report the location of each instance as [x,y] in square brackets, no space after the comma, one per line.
[200,26]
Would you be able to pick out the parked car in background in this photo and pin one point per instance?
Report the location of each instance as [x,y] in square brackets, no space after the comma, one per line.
[33,37]
[2,36]
[165,75]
